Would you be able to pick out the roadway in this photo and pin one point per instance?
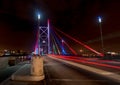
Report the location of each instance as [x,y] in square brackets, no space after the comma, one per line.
[58,73]
[108,65]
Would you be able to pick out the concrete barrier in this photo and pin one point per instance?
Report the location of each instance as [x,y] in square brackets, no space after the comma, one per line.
[30,72]
[37,66]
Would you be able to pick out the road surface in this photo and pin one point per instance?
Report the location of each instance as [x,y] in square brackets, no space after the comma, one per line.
[58,73]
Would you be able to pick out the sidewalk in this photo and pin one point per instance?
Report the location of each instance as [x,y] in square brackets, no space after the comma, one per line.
[3,62]
[23,74]
[23,77]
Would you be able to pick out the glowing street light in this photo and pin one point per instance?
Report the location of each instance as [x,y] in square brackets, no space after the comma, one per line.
[99,19]
[38,16]
[100,25]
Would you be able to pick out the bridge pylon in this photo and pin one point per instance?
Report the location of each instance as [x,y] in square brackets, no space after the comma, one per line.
[44,39]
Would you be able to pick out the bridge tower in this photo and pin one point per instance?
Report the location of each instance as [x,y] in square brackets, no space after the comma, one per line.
[44,39]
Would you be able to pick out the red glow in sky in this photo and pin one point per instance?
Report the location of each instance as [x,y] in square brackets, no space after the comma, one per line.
[18,21]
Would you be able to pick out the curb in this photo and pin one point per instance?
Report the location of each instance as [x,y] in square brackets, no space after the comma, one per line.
[23,74]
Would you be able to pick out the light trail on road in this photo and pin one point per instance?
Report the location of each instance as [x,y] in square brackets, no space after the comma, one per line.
[58,73]
[76,59]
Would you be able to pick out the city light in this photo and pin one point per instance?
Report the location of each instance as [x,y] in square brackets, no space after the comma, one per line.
[38,16]
[99,19]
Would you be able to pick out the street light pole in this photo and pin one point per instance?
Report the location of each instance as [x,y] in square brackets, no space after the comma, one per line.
[100,25]
[38,34]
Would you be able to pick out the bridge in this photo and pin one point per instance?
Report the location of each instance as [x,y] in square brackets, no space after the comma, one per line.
[63,65]
[50,41]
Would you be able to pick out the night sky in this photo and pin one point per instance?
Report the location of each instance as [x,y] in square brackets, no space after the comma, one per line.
[78,18]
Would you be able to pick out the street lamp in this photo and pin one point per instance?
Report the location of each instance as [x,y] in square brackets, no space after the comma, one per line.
[38,34]
[38,16]
[100,25]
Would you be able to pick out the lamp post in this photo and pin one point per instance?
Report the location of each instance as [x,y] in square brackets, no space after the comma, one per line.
[38,34]
[100,25]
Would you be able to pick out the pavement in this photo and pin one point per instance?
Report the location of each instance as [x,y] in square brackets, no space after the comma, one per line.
[3,62]
[6,72]
[23,76]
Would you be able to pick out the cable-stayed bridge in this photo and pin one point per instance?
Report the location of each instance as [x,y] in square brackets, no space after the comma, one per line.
[51,40]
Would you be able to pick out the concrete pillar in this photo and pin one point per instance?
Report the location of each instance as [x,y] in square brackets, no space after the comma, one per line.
[37,66]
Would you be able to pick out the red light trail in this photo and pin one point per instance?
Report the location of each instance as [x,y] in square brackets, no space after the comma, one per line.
[75,59]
